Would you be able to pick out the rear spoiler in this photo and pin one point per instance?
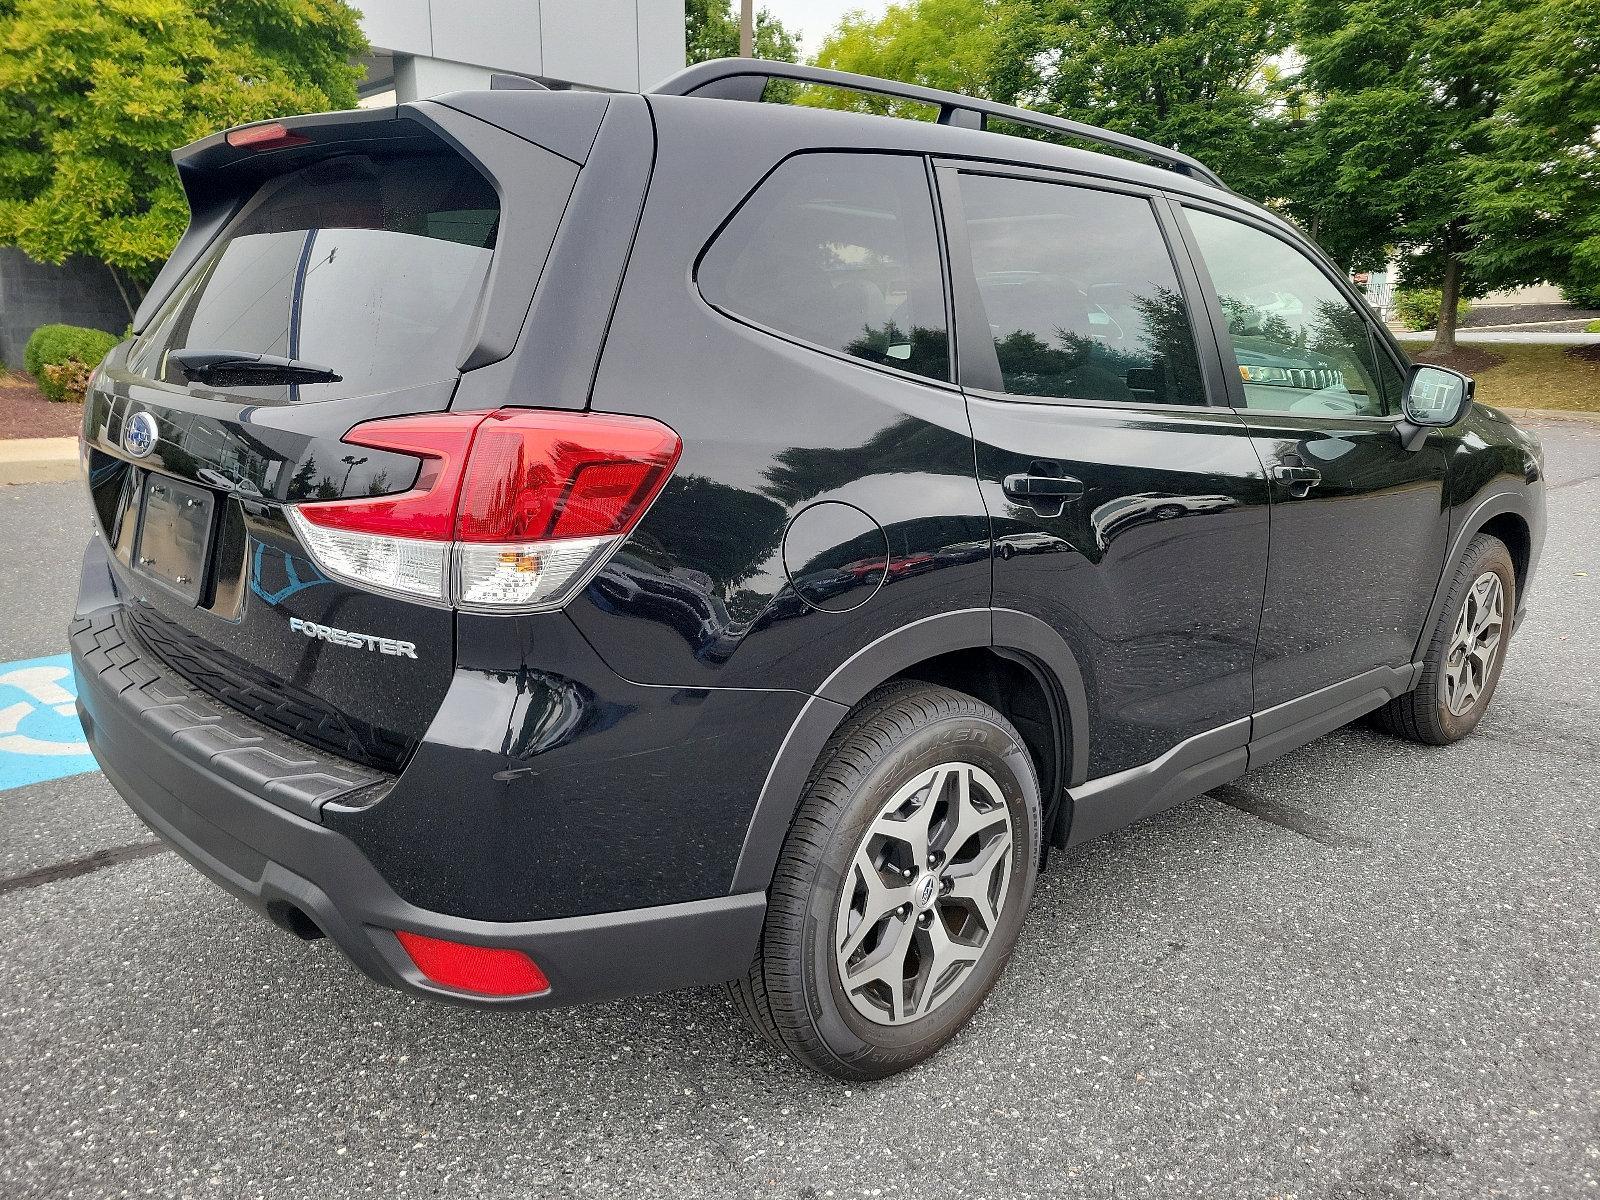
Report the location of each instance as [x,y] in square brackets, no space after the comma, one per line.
[492,130]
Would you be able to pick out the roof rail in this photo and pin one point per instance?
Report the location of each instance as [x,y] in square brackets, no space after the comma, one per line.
[746,79]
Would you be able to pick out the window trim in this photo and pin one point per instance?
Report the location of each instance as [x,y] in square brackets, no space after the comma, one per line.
[980,370]
[1219,322]
[949,383]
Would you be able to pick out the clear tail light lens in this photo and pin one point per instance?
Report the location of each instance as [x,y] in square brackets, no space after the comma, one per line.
[512,510]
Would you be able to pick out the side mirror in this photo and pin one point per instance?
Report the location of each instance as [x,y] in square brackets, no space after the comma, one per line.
[1435,397]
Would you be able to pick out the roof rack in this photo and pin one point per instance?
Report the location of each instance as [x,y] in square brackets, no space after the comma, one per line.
[746,79]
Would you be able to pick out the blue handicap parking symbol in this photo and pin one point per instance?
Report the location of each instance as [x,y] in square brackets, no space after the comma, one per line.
[40,737]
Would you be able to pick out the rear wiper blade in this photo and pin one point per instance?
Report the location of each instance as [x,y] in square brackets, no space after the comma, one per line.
[231,368]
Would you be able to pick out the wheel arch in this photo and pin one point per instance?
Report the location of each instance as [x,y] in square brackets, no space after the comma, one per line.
[1014,637]
[1504,515]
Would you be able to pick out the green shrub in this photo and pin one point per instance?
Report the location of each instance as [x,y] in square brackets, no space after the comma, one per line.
[1592,327]
[58,345]
[1581,295]
[1418,308]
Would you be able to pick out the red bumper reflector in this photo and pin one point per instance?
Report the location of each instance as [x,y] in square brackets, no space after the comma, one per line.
[481,969]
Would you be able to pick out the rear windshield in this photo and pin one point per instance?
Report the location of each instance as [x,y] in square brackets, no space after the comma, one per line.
[371,268]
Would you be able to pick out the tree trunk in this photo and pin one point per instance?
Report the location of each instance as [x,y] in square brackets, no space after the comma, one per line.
[127,301]
[1444,337]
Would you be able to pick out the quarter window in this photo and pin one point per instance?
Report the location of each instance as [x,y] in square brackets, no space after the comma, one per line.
[1299,345]
[1080,293]
[839,250]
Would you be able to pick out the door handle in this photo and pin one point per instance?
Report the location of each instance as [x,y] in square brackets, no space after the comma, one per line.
[1298,478]
[1042,487]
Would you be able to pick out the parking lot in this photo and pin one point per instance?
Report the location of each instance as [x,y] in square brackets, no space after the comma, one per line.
[1369,970]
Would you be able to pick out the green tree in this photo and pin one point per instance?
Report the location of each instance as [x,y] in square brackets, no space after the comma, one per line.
[712,31]
[955,45]
[1535,196]
[1459,136]
[95,94]
[1185,73]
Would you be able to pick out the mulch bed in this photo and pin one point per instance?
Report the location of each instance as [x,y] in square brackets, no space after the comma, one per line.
[1563,315]
[1463,358]
[25,413]
[1589,353]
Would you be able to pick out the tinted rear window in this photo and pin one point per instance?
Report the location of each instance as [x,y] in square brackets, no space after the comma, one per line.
[372,268]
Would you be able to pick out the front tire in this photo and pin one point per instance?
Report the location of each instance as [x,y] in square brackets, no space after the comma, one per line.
[1466,655]
[901,886]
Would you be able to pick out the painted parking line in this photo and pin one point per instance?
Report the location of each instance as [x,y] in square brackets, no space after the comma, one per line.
[40,737]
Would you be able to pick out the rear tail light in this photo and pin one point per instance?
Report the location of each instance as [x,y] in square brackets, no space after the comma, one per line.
[485,970]
[512,511]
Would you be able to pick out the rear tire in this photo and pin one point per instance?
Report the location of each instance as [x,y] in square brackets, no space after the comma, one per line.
[1463,663]
[881,940]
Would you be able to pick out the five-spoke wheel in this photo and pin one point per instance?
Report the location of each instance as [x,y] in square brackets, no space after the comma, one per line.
[924,893]
[901,886]
[1476,640]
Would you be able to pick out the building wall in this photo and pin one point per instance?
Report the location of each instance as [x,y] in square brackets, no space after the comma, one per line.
[33,294]
[624,45]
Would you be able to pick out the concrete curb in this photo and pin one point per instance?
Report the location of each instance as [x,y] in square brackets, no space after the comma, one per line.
[38,460]
[1550,414]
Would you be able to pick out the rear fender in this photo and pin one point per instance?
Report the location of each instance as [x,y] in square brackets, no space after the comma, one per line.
[1015,633]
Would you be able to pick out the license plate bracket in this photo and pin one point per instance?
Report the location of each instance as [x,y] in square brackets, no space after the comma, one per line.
[175,535]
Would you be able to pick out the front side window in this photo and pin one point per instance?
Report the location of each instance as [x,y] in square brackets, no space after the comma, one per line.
[838,250]
[1300,346]
[1080,293]
[371,268]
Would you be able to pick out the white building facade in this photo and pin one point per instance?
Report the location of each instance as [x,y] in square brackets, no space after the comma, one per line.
[426,47]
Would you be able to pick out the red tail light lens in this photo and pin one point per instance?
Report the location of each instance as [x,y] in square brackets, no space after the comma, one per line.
[512,510]
[484,970]
[541,476]
[428,509]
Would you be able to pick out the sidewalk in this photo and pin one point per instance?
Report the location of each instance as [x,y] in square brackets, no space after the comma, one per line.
[1468,337]
[38,460]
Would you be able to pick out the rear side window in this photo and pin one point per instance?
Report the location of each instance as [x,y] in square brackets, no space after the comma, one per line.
[1080,293]
[372,268]
[838,250]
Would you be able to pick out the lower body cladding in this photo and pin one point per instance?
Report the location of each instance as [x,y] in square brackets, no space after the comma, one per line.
[493,845]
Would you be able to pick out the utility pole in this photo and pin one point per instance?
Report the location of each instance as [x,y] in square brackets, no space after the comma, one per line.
[747,28]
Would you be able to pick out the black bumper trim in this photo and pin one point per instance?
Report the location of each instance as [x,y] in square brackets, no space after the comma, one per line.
[277,860]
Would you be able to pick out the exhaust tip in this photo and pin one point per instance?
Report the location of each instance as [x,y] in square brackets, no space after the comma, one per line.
[287,916]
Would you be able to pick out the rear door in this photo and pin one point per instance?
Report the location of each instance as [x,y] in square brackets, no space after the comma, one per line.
[366,263]
[1129,511]
[1359,523]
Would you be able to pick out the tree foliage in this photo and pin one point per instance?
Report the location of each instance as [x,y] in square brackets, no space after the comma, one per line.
[1185,73]
[1461,136]
[1535,196]
[95,94]
[712,31]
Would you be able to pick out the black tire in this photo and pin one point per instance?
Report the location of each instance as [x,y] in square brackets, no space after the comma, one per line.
[792,994]
[1422,715]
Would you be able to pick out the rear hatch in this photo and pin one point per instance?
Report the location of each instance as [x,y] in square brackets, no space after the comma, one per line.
[337,269]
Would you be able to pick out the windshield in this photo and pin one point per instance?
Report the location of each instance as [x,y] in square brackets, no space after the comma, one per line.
[371,268]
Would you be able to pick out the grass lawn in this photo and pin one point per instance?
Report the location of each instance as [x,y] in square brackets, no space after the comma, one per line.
[1512,376]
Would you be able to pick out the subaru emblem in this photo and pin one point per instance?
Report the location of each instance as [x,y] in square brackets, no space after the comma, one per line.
[139,435]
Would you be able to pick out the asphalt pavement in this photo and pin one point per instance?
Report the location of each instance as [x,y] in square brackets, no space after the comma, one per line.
[1369,970]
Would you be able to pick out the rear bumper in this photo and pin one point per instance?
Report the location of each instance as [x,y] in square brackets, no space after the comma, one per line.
[246,817]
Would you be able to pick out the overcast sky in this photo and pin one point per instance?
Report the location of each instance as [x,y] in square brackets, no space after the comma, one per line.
[812,19]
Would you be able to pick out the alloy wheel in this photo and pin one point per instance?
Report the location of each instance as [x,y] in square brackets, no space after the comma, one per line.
[923,895]
[1474,644]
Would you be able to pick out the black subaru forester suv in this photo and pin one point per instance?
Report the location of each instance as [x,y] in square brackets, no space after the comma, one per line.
[561,545]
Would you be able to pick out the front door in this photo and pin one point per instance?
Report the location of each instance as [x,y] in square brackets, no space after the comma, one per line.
[1128,511]
[1359,524]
